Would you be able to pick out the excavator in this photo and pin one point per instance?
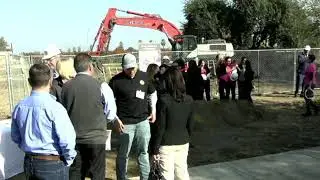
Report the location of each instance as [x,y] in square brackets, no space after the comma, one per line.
[178,41]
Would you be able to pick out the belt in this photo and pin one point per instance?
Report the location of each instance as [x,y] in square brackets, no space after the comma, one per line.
[45,157]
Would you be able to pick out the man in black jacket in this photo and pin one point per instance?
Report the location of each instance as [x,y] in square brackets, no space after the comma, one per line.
[51,57]
[132,90]
[85,102]
[302,62]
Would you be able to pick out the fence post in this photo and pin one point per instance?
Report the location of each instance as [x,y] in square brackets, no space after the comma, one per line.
[294,70]
[258,71]
[8,70]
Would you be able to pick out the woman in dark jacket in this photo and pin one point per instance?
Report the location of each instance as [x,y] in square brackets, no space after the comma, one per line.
[194,84]
[241,80]
[248,78]
[222,78]
[205,74]
[173,127]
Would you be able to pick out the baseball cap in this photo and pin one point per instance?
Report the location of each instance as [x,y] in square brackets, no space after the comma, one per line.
[129,61]
[51,51]
[307,48]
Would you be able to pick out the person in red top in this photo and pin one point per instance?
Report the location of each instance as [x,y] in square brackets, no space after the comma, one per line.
[310,82]
[205,74]
[230,85]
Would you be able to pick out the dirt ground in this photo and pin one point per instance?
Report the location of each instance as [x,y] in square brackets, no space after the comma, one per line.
[235,130]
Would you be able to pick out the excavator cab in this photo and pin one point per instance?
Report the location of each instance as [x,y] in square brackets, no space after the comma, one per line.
[185,43]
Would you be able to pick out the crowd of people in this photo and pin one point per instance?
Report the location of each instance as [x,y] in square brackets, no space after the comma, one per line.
[306,78]
[230,74]
[62,125]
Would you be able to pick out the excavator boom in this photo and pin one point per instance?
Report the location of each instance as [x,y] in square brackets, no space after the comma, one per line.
[140,20]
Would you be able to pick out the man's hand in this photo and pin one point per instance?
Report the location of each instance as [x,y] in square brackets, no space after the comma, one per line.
[152,117]
[118,126]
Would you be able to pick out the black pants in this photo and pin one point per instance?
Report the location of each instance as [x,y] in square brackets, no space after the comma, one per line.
[248,95]
[245,89]
[222,87]
[90,161]
[231,86]
[310,103]
[207,89]
[241,90]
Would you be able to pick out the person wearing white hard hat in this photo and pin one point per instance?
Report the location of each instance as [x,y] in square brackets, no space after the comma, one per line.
[52,55]
[133,92]
[302,61]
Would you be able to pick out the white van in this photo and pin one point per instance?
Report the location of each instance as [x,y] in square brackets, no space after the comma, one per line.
[212,48]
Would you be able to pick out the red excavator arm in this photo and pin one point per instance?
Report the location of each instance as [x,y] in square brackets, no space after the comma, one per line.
[140,20]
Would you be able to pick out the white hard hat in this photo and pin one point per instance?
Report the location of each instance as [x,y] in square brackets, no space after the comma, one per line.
[166,57]
[51,51]
[234,75]
[307,48]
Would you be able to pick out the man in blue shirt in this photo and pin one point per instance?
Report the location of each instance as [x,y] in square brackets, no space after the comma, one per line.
[42,129]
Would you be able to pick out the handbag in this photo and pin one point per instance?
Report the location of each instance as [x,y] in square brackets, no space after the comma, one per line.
[155,173]
[309,93]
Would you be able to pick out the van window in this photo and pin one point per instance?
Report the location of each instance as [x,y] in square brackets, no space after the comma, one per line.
[220,47]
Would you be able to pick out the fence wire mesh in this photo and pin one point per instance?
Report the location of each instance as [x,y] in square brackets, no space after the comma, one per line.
[275,72]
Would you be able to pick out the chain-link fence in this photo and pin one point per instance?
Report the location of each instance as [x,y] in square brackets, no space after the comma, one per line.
[4,86]
[274,72]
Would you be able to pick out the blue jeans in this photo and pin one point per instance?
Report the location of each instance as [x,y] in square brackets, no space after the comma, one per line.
[137,135]
[299,83]
[45,169]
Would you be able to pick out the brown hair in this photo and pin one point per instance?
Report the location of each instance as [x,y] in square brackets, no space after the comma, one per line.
[39,75]
[175,84]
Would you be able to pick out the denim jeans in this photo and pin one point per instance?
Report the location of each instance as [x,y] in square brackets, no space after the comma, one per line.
[45,169]
[299,83]
[136,135]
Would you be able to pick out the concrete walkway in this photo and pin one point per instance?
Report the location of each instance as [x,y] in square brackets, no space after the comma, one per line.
[300,164]
[293,165]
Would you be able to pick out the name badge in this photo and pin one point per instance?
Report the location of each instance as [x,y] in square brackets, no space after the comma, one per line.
[140,94]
